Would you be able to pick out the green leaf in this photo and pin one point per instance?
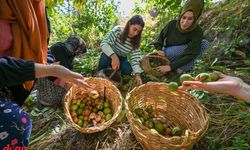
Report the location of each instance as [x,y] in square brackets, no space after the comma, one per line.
[219,68]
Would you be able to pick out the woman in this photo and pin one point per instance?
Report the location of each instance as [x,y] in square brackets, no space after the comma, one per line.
[23,34]
[182,40]
[15,124]
[65,52]
[121,42]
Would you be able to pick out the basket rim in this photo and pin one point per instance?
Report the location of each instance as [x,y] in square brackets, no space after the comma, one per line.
[145,64]
[152,55]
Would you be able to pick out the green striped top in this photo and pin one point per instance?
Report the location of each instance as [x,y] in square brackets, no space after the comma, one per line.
[112,44]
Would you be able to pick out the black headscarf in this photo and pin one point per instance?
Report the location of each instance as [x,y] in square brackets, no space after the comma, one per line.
[75,45]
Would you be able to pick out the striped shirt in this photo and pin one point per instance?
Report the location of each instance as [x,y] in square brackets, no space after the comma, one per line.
[112,44]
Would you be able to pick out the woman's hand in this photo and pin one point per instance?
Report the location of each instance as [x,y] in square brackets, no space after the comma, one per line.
[72,77]
[161,53]
[164,69]
[62,73]
[226,84]
[115,62]
[138,80]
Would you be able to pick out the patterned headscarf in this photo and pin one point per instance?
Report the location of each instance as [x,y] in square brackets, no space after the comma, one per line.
[76,45]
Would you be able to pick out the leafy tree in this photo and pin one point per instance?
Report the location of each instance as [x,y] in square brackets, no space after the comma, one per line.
[89,19]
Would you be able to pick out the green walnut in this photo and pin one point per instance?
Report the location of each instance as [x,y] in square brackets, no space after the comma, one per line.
[176,131]
[173,86]
[203,77]
[214,76]
[186,77]
[138,111]
[158,127]
[149,108]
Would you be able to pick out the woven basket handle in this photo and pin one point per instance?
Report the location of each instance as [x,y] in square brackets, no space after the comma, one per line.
[190,136]
[112,74]
[152,53]
[104,94]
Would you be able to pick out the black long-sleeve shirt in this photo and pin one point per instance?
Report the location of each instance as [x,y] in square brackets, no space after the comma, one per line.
[62,54]
[15,71]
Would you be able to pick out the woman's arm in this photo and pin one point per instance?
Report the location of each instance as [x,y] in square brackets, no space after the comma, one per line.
[135,61]
[244,92]
[159,43]
[226,84]
[135,64]
[60,72]
[16,71]
[106,44]
[109,40]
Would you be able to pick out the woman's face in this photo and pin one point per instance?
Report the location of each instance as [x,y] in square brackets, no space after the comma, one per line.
[81,48]
[134,30]
[187,20]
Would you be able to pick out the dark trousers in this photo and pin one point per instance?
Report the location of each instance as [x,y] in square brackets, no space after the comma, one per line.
[105,62]
[174,53]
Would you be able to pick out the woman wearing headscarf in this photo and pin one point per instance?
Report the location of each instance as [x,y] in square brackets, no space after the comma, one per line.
[24,36]
[181,40]
[65,52]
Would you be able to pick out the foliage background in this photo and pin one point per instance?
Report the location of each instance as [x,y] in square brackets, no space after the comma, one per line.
[226,24]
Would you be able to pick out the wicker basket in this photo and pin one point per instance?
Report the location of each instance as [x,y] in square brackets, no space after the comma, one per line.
[112,95]
[179,108]
[150,58]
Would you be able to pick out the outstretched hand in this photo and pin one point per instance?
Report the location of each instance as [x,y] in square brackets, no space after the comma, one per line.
[62,73]
[72,77]
[226,84]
